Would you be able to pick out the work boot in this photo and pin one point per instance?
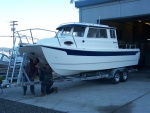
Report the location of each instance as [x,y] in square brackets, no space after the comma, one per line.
[43,94]
[33,93]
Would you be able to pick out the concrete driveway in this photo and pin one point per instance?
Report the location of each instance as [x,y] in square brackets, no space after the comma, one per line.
[94,96]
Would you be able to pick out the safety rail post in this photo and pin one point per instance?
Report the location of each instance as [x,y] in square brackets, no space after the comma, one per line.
[31,36]
[20,41]
[74,40]
[58,40]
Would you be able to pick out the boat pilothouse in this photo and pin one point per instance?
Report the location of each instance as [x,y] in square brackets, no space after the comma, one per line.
[91,36]
[82,47]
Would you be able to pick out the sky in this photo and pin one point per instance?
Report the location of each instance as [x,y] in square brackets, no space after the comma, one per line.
[46,14]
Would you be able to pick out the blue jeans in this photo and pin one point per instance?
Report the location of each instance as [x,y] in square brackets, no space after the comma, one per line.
[25,87]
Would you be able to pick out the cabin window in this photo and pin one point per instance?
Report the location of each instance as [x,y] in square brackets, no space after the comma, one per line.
[66,31]
[92,33]
[78,31]
[112,33]
[97,33]
[103,33]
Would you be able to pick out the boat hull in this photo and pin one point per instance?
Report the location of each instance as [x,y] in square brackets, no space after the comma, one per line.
[65,61]
[34,51]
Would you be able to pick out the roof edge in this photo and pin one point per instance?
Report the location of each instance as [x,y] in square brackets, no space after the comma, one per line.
[83,3]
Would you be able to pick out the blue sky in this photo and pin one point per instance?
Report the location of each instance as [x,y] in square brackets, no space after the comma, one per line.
[46,14]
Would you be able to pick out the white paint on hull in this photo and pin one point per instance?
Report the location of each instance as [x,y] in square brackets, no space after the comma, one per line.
[65,64]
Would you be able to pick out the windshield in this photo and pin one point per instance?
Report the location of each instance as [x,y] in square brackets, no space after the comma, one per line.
[66,31]
[73,31]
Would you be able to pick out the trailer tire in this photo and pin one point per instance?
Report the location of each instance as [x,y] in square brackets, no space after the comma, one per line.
[116,77]
[124,75]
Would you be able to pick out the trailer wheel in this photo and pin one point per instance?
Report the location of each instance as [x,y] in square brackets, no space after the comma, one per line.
[124,75]
[116,77]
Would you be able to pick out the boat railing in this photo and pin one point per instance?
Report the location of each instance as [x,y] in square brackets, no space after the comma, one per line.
[31,36]
[74,40]
[127,46]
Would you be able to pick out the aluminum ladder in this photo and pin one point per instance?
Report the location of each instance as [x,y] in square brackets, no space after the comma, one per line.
[16,72]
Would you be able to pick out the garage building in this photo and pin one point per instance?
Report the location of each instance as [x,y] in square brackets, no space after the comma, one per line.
[130,17]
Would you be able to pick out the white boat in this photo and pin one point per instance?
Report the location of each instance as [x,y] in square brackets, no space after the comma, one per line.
[82,47]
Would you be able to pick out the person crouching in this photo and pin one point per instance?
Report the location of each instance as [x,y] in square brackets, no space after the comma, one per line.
[46,81]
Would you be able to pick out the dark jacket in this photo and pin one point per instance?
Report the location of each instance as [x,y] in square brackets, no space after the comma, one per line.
[31,70]
[46,76]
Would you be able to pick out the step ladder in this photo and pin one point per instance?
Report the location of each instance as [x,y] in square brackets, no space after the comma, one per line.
[16,73]
[13,68]
[22,73]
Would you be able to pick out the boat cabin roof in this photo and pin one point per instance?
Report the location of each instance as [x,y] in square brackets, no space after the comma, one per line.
[83,25]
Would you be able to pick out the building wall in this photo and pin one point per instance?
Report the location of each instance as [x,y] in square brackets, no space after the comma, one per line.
[111,11]
[117,9]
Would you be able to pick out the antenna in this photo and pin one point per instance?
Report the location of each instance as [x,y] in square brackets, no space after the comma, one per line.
[99,20]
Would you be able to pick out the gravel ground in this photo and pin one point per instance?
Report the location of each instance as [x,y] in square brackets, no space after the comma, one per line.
[8,106]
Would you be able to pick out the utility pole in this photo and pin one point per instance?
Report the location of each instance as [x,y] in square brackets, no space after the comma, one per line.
[13,29]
